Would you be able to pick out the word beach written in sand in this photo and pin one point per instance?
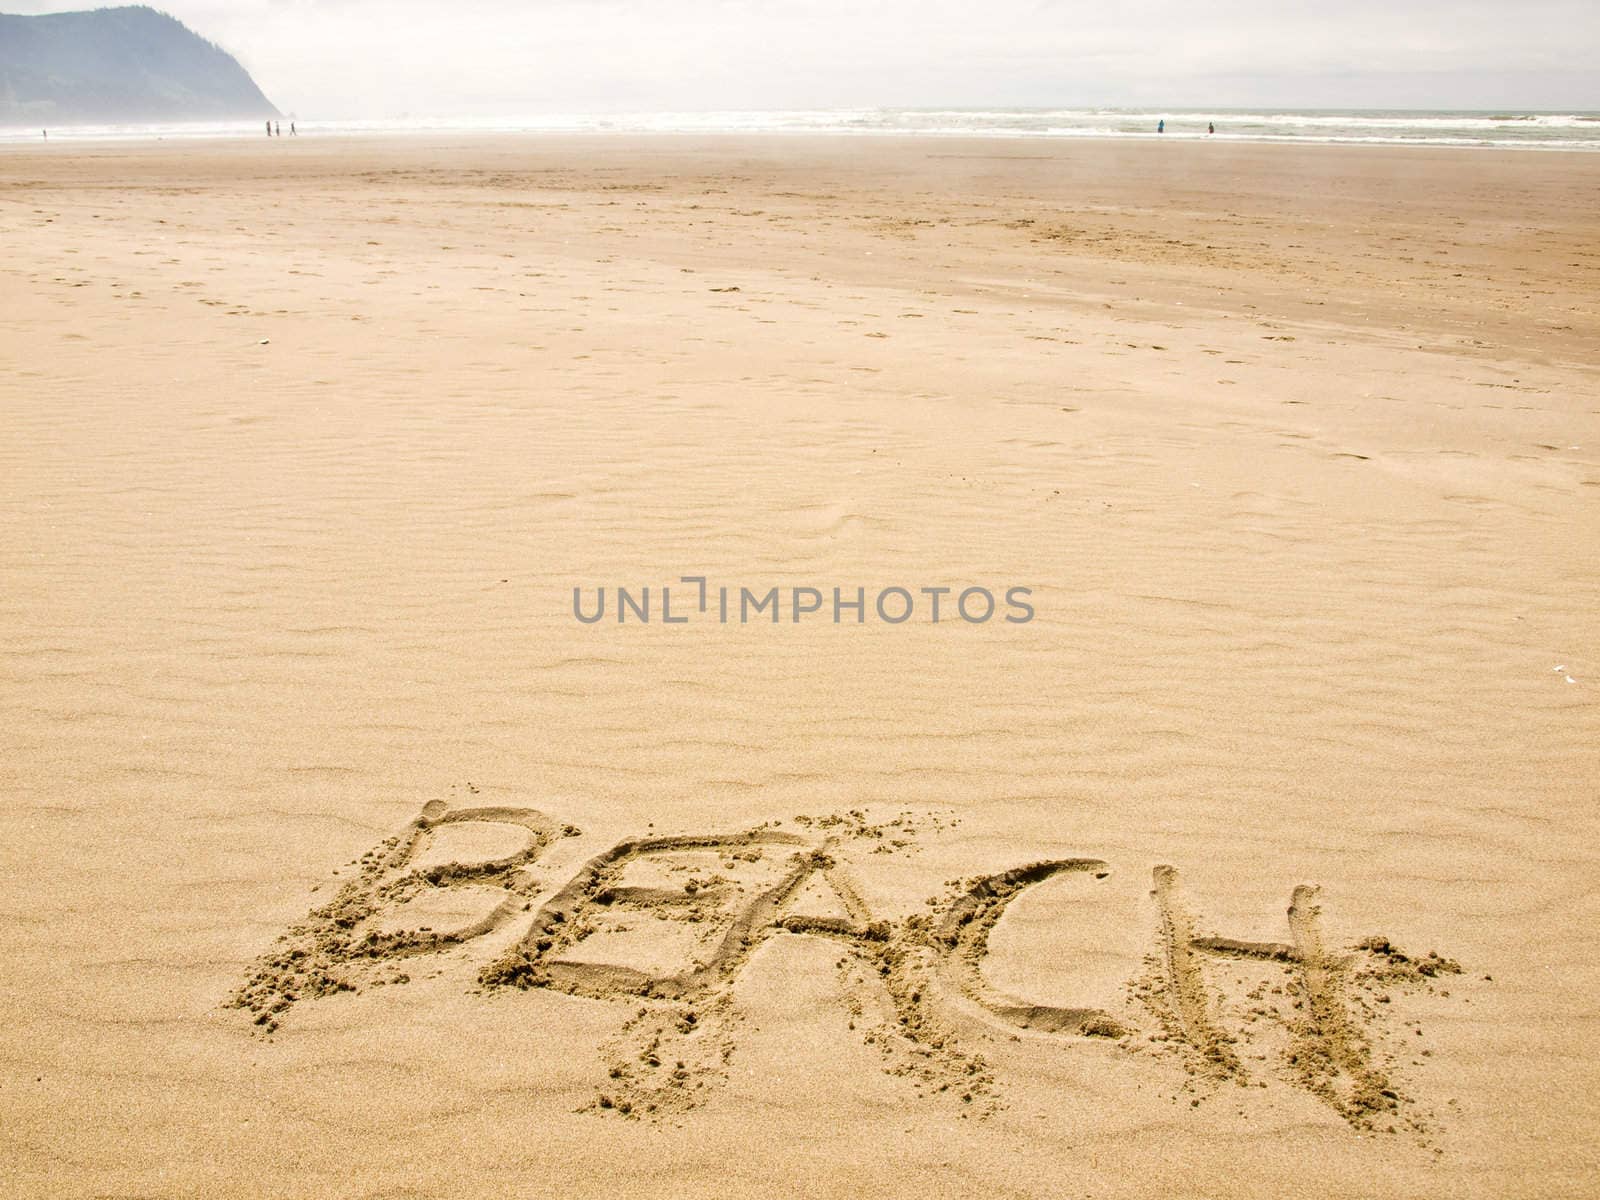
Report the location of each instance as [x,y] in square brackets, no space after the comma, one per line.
[664,925]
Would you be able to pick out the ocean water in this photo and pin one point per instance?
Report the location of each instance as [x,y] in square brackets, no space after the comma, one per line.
[1508,129]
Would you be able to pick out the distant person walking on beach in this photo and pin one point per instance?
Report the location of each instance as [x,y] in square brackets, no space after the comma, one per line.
[1161,125]
[292,133]
[269,128]
[277,129]
[1211,126]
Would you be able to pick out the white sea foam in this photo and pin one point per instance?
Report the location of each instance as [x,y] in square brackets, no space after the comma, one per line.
[1531,130]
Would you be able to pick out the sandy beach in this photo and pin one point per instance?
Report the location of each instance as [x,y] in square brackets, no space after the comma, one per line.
[341,859]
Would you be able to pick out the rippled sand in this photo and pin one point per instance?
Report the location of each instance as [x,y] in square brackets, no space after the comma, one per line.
[305,445]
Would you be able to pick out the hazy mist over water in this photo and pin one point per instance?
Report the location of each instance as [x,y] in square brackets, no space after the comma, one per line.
[359,60]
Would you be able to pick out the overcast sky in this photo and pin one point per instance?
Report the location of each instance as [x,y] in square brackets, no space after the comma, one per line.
[384,58]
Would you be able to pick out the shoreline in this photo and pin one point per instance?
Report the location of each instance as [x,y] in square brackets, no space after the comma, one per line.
[791,123]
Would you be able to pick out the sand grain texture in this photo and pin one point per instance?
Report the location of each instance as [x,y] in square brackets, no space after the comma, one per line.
[303,446]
